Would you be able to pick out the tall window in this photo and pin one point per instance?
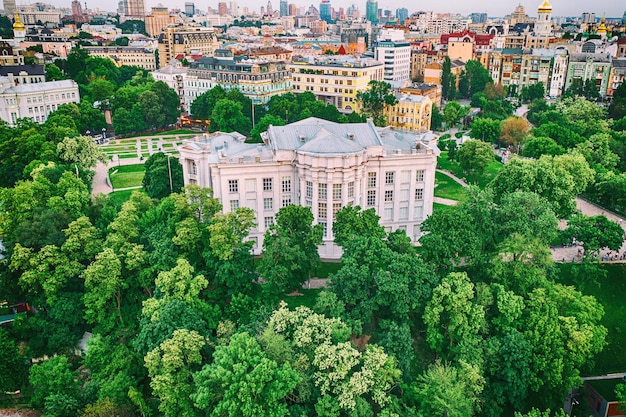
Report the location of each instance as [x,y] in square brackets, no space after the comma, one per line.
[336,191]
[419,176]
[286,185]
[322,191]
[268,204]
[309,189]
[336,208]
[233,186]
[371,198]
[234,205]
[389,177]
[388,196]
[419,194]
[268,221]
[322,210]
[286,200]
[403,214]
[418,212]
[267,184]
[325,226]
[371,180]
[351,189]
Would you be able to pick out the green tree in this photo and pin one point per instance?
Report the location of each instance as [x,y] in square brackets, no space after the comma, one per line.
[617,109]
[262,125]
[375,99]
[453,112]
[535,146]
[203,105]
[444,390]
[13,364]
[242,381]
[455,320]
[485,129]
[228,117]
[100,89]
[81,150]
[448,80]
[51,377]
[103,285]
[290,249]
[152,110]
[533,92]
[473,79]
[595,233]
[54,73]
[164,175]
[435,118]
[353,222]
[171,367]
[474,156]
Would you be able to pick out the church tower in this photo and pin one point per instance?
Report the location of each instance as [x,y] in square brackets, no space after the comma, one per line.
[543,26]
[19,30]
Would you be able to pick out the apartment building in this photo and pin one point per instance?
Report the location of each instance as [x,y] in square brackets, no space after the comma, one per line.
[322,165]
[596,67]
[395,54]
[158,19]
[174,76]
[175,40]
[617,75]
[125,55]
[36,100]
[24,74]
[334,79]
[257,79]
[410,114]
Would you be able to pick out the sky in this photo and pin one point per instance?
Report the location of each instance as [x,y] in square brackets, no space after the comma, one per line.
[608,8]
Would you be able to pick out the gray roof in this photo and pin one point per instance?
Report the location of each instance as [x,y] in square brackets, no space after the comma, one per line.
[41,87]
[16,69]
[319,136]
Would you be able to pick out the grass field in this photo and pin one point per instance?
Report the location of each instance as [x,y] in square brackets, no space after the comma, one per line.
[611,293]
[441,207]
[490,172]
[446,187]
[126,175]
[120,197]
[304,298]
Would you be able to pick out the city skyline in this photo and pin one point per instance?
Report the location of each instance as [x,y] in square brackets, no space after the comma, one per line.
[606,8]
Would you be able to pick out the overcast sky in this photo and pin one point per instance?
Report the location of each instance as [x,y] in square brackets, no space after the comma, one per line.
[608,8]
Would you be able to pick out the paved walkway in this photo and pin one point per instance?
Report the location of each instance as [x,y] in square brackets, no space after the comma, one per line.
[101,183]
[445,201]
[454,177]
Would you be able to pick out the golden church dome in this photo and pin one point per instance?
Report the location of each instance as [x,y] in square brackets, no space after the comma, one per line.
[18,25]
[545,7]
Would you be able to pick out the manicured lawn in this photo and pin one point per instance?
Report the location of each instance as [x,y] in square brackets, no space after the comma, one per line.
[304,298]
[171,132]
[126,175]
[326,269]
[446,187]
[611,293]
[490,172]
[120,197]
[441,207]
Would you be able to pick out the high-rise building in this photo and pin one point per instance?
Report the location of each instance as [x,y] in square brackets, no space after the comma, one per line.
[135,9]
[157,20]
[269,10]
[234,8]
[9,7]
[284,8]
[623,18]
[371,11]
[222,9]
[402,14]
[325,13]
[589,17]
[395,52]
[478,17]
[293,10]
[190,9]
[77,9]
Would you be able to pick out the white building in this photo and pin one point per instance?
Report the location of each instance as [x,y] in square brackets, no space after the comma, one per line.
[322,165]
[174,76]
[34,100]
[395,54]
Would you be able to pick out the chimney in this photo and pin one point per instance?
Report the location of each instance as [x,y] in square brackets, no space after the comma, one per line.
[351,136]
[302,138]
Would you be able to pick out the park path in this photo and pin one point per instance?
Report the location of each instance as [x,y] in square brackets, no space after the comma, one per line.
[566,253]
[101,183]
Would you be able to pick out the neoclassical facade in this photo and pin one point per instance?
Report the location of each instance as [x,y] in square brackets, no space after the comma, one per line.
[321,165]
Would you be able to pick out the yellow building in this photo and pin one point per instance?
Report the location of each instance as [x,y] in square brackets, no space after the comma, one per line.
[334,79]
[411,113]
[185,40]
[158,20]
[125,55]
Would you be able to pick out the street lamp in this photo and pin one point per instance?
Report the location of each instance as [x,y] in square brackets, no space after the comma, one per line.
[169,171]
[104,134]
